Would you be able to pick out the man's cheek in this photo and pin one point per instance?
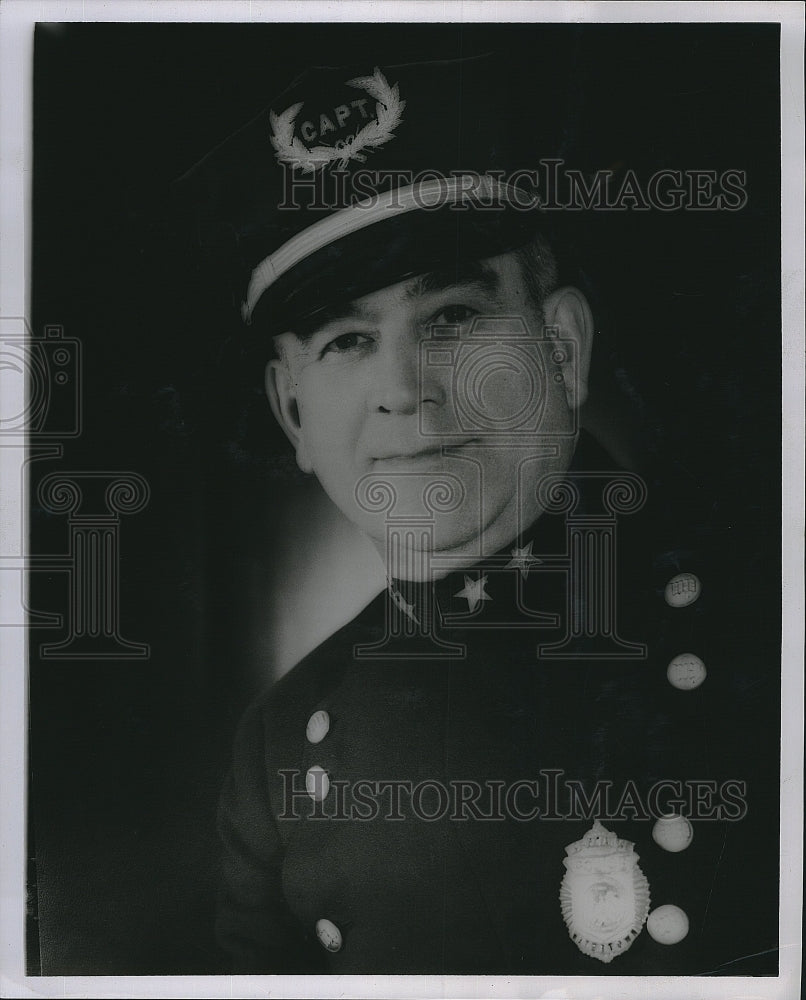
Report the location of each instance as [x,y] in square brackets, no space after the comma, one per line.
[327,433]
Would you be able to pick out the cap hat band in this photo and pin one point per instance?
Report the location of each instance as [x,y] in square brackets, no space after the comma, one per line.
[431,194]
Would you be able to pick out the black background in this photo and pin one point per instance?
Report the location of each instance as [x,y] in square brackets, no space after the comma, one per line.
[127,758]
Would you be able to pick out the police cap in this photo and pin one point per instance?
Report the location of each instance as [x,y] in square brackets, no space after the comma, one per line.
[357,177]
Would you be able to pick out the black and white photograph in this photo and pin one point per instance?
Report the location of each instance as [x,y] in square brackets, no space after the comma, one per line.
[402,500]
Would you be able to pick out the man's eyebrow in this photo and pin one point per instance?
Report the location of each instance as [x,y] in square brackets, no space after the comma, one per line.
[473,274]
[305,329]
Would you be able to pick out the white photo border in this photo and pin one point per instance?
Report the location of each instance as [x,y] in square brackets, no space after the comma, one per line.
[17,20]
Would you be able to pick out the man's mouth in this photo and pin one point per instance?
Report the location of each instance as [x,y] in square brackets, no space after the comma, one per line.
[425,453]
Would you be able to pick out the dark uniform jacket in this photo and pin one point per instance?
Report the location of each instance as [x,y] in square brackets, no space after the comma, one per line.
[409,864]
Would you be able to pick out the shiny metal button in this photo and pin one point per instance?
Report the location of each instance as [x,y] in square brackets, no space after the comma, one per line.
[686,672]
[318,726]
[317,783]
[673,833]
[667,924]
[329,935]
[682,590]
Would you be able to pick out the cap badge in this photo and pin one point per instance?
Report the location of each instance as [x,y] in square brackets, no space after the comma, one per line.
[374,133]
[604,894]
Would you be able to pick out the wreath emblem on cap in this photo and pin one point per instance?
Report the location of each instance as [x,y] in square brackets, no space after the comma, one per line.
[373,135]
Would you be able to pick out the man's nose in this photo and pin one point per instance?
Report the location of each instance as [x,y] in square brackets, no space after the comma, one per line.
[399,385]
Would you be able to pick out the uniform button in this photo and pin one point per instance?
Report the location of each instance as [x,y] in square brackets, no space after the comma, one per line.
[317,783]
[682,590]
[667,925]
[686,672]
[318,726]
[673,833]
[329,935]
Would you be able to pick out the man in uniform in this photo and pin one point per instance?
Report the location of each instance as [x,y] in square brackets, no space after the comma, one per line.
[491,769]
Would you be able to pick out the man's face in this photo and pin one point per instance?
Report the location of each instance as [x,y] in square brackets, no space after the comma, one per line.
[404,420]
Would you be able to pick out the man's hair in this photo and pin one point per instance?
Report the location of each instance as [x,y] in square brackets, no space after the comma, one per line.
[539,269]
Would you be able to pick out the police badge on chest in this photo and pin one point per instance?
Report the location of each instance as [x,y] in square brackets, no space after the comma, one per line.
[604,894]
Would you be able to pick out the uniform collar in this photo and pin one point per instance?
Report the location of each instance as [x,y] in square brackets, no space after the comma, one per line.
[492,580]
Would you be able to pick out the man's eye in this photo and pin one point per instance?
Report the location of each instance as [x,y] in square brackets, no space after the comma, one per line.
[453,316]
[345,342]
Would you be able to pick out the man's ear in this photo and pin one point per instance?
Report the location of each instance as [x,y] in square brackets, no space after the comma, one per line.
[283,401]
[568,309]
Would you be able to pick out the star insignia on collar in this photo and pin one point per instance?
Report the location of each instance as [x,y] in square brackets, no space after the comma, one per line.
[405,607]
[474,592]
[523,560]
